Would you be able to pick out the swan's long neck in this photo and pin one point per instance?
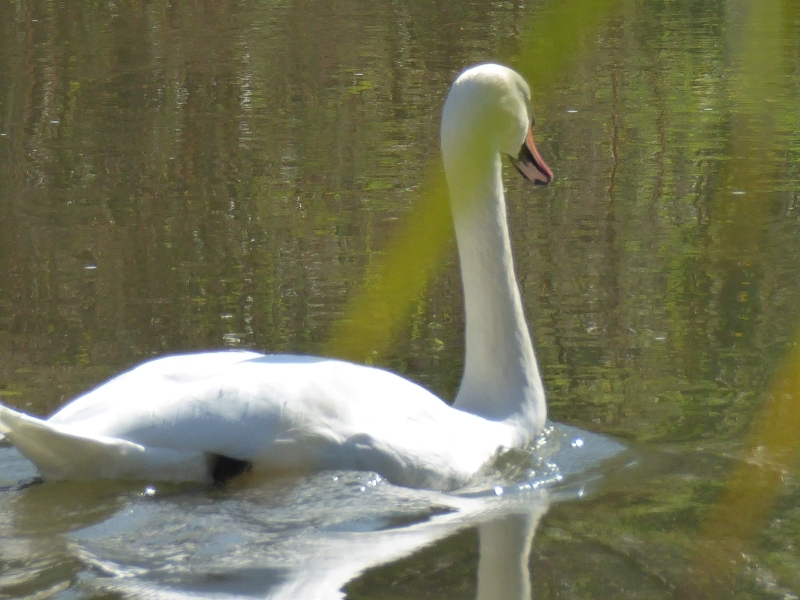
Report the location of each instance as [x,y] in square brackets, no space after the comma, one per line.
[501,378]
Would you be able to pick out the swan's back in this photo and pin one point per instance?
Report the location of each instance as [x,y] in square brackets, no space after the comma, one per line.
[278,413]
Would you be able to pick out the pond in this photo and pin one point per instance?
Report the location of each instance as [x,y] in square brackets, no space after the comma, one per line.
[186,176]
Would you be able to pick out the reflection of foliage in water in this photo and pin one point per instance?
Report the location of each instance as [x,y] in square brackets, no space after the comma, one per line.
[182,177]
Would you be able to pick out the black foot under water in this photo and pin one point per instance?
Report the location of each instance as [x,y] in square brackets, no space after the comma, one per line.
[224,468]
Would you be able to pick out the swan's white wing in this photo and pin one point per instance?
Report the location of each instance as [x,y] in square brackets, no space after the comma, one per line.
[279,412]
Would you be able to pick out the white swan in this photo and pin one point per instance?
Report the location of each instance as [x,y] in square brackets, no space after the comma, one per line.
[199,417]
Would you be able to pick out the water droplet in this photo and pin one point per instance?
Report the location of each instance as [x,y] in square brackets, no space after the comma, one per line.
[577,443]
[149,491]
[498,490]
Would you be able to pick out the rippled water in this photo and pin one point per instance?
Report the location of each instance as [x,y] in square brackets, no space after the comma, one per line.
[180,177]
[294,537]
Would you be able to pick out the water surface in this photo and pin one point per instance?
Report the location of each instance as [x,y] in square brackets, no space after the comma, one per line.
[181,177]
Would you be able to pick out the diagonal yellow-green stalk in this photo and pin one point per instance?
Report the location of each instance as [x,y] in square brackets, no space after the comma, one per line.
[743,508]
[373,315]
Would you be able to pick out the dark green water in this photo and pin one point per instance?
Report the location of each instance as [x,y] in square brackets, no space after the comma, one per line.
[177,177]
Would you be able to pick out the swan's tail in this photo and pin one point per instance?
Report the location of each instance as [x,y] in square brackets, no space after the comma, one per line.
[61,454]
[4,429]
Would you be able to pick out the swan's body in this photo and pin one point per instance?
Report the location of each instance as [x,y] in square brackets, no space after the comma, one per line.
[176,418]
[171,417]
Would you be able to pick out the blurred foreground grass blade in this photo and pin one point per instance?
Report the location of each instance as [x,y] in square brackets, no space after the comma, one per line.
[391,284]
[375,312]
[743,508]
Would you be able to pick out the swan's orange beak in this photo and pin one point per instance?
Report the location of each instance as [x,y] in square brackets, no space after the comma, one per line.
[530,163]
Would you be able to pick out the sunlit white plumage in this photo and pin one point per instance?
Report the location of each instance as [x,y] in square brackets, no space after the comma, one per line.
[171,418]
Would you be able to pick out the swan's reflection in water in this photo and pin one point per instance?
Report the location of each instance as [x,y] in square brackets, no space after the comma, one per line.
[505,545]
[305,538]
[503,562]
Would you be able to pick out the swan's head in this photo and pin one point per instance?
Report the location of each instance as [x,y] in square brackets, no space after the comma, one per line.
[488,112]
